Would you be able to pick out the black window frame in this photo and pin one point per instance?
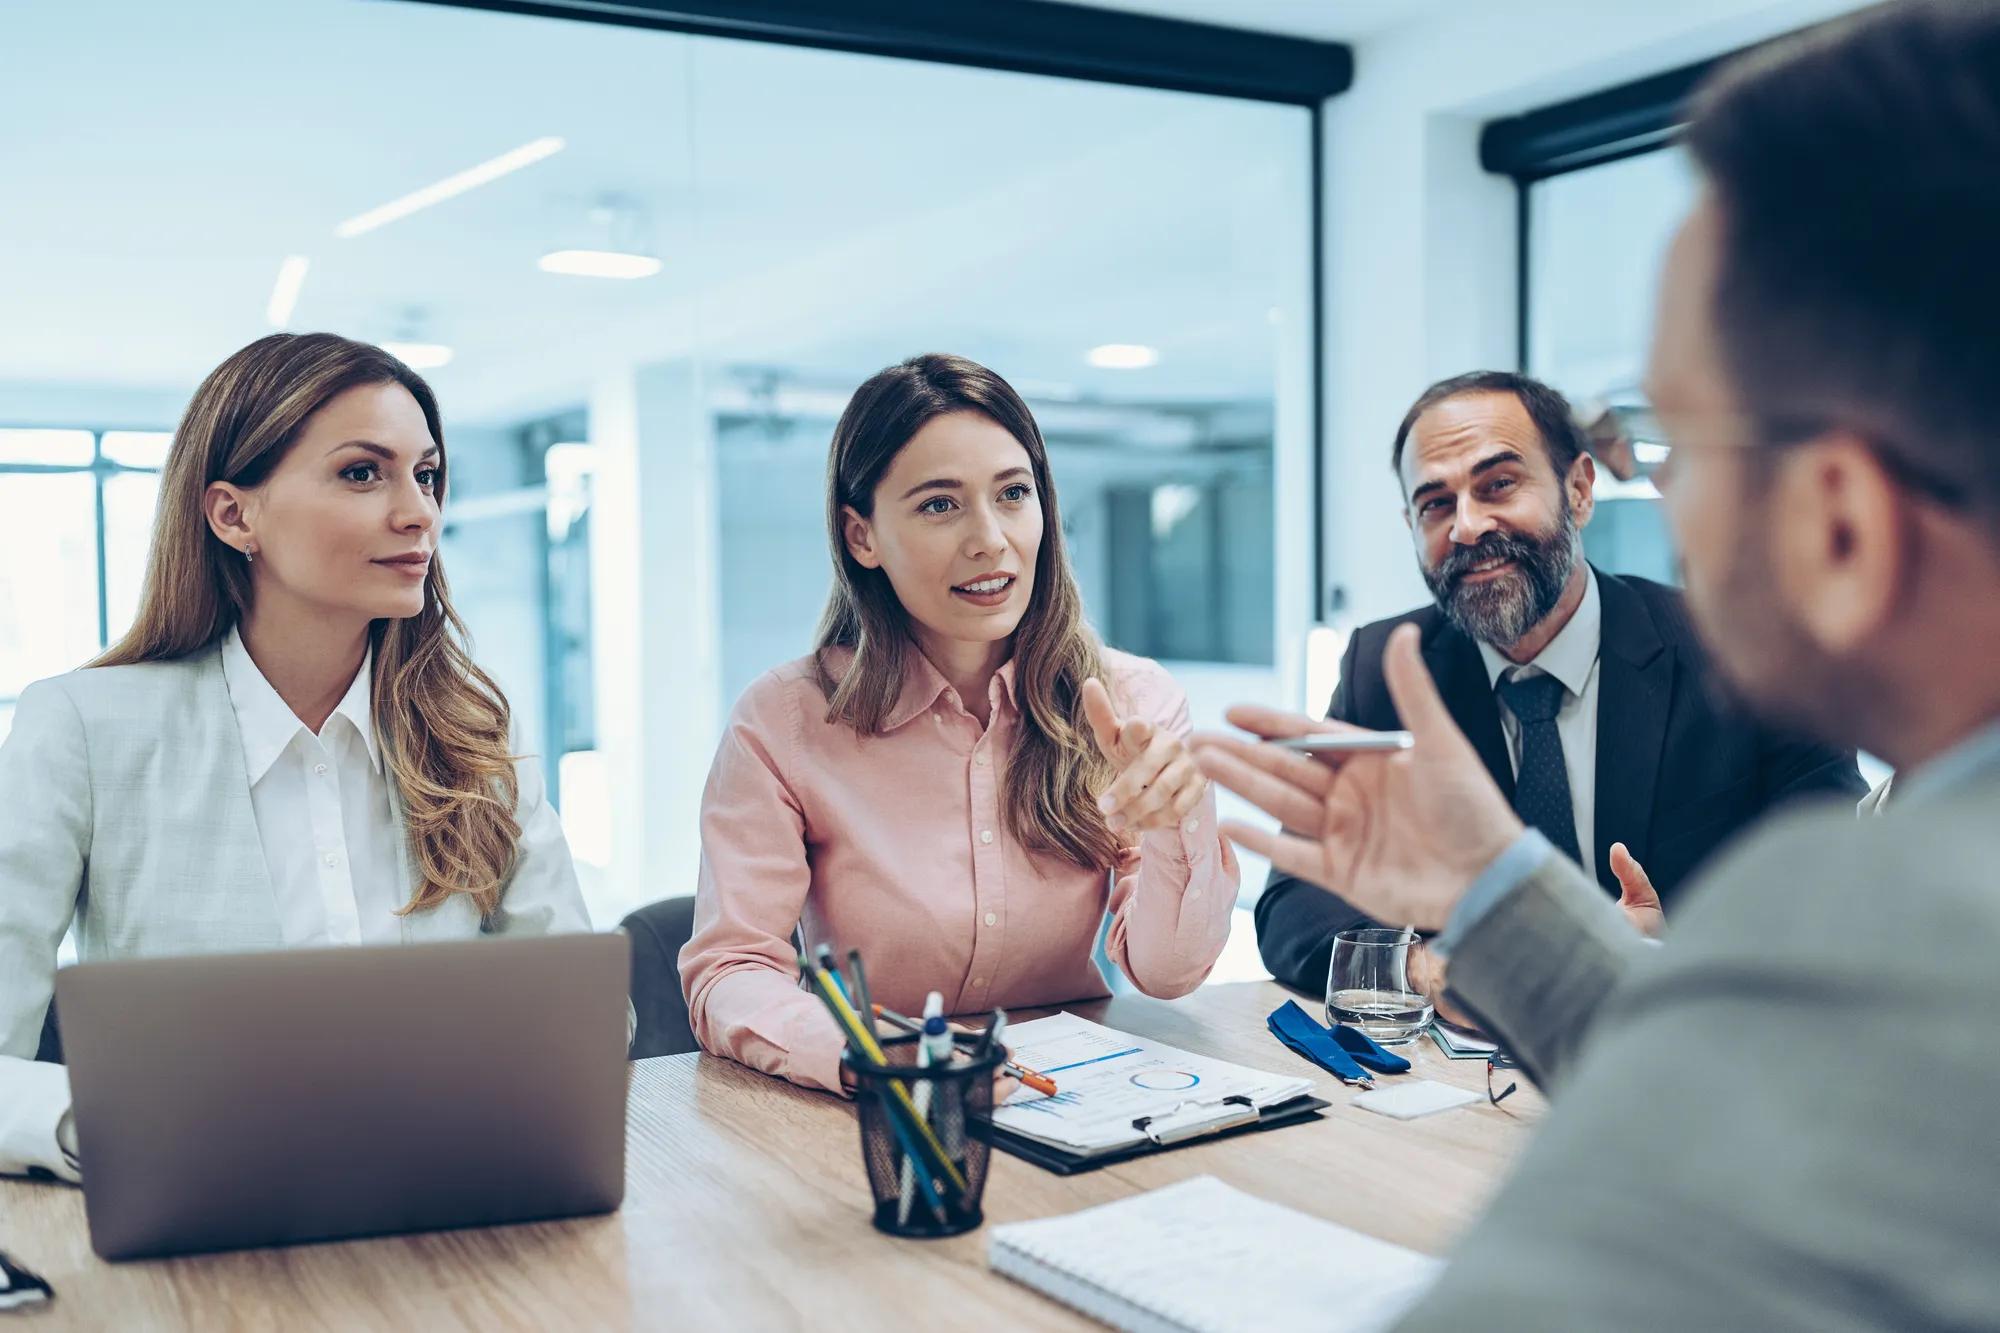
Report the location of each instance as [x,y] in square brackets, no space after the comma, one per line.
[1628,120]
[1073,41]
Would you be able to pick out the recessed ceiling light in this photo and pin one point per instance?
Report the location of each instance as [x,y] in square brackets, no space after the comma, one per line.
[419,356]
[285,291]
[599,264]
[471,178]
[1123,356]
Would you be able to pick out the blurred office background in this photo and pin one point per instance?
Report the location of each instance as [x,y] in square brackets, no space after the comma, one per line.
[1218,305]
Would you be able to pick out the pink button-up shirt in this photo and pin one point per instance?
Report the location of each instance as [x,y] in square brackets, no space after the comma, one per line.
[894,844]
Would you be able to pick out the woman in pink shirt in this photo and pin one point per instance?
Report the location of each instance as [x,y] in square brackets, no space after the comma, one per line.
[960,780]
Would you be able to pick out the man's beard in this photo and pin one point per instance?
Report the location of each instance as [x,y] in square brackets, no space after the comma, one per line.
[1500,610]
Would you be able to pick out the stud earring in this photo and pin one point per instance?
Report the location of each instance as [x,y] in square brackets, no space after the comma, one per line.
[249,555]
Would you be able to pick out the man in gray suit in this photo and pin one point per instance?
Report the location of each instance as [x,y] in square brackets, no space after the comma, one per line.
[1781,1117]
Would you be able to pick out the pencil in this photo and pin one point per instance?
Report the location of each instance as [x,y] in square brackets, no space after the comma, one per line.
[1033,1078]
[922,1180]
[850,1023]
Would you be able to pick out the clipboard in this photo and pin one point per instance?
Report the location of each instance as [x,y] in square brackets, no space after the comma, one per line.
[1230,1117]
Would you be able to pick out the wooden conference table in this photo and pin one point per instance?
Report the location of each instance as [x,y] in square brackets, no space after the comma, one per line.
[747,1208]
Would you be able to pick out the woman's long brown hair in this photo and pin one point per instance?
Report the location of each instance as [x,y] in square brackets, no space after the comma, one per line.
[441,722]
[1056,769]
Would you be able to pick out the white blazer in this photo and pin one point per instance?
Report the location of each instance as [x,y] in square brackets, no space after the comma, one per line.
[125,809]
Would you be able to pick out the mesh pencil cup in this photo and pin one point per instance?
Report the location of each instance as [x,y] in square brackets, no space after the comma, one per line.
[926,1168]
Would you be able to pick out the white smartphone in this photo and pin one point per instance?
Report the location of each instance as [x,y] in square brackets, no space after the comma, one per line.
[1348,742]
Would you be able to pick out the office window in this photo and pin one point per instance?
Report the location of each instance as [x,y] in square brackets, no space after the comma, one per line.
[693,245]
[74,523]
[1595,241]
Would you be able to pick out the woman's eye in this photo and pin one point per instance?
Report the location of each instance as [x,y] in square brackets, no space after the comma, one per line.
[937,504]
[427,477]
[359,472]
[1016,493]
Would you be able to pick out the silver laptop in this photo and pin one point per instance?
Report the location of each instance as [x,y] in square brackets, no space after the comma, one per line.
[270,1098]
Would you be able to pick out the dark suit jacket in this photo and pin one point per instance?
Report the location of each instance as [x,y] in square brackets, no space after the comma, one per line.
[1677,773]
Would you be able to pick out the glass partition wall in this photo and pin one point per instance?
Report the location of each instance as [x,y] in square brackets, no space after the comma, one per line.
[643,271]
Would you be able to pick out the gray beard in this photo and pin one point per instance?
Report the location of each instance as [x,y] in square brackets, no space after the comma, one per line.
[1501,611]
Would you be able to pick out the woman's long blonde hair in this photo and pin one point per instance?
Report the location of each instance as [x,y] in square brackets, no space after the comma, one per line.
[441,722]
[1056,769]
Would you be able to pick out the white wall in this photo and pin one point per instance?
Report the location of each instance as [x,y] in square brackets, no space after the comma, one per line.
[655,623]
[1420,242]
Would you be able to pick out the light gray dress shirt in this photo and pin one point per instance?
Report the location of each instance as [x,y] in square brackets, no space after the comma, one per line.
[1571,657]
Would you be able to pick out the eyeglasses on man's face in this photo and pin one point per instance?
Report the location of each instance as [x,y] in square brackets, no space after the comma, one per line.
[1744,431]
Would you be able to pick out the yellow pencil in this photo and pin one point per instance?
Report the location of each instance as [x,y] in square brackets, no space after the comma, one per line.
[861,1037]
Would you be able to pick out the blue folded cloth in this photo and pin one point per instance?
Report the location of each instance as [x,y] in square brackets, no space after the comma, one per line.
[1340,1050]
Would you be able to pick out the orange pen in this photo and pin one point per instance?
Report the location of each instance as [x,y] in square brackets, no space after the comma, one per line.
[1040,1082]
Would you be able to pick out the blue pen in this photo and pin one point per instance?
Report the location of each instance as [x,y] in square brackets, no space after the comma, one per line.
[937,1044]
[911,1176]
[933,1046]
[921,1179]
[824,955]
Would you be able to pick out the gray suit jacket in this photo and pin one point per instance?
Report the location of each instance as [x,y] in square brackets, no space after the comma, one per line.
[1782,1119]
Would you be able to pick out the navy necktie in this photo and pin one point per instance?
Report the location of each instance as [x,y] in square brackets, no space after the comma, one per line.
[1541,788]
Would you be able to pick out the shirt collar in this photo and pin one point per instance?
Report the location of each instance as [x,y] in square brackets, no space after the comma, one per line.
[268,724]
[1571,655]
[358,707]
[924,685]
[1964,762]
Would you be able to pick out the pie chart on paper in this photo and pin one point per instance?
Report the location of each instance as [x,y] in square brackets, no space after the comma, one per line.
[1165,1080]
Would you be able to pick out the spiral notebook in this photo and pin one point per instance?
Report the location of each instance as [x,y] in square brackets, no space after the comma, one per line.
[1179,1260]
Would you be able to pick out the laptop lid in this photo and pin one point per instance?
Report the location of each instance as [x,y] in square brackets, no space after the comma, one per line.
[225,1101]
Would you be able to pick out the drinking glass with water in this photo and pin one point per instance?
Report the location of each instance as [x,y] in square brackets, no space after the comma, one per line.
[1368,985]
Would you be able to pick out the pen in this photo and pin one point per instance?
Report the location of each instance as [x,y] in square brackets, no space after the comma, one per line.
[850,1023]
[1032,1078]
[862,1004]
[824,955]
[903,1115]
[931,1047]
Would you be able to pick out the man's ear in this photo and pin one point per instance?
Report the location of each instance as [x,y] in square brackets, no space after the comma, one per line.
[227,509]
[860,535]
[1580,489]
[1843,553]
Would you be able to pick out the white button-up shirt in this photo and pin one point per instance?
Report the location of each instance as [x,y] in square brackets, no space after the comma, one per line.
[324,810]
[1571,657]
[326,819]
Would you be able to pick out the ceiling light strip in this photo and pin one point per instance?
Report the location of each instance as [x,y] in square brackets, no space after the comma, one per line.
[285,291]
[470,179]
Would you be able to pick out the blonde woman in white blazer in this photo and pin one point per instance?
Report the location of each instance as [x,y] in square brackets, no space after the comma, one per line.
[291,747]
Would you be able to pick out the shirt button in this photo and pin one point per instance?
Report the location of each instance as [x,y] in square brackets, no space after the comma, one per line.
[977,982]
[938,717]
[992,920]
[980,760]
[1191,826]
[986,835]
[1194,895]
[320,769]
[332,860]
